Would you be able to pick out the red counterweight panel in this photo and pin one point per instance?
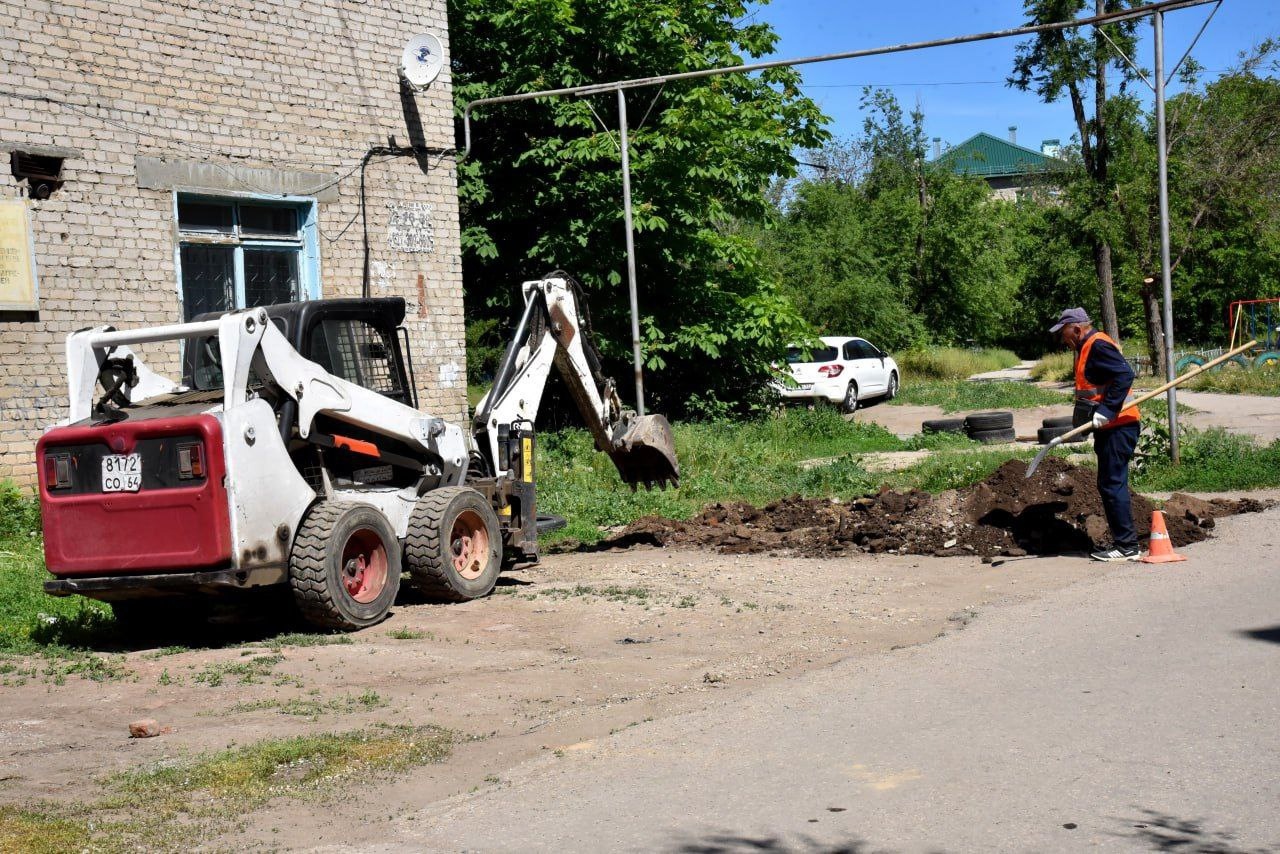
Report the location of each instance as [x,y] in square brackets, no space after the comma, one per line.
[178,520]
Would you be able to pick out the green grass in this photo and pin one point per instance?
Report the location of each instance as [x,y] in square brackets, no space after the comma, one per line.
[962,396]
[719,461]
[1055,367]
[1212,461]
[952,363]
[1262,381]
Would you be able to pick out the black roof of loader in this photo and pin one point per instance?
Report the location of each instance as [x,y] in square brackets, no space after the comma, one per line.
[297,319]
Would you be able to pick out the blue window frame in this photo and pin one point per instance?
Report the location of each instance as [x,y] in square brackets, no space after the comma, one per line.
[242,252]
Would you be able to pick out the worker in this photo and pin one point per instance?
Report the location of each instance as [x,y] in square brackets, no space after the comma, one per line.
[1103,382]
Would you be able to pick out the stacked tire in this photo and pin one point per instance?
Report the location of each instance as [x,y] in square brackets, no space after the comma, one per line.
[991,428]
[1052,428]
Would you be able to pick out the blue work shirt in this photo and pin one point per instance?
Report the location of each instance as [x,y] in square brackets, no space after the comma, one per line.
[1107,367]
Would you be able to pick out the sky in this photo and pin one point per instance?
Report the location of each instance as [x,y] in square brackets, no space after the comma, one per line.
[961,88]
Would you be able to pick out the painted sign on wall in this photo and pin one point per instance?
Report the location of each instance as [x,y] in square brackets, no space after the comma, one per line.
[17,258]
[409,228]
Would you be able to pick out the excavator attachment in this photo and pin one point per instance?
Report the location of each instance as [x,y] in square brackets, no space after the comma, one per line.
[645,453]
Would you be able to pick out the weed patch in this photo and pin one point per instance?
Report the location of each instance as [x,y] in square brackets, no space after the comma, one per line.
[952,363]
[249,671]
[279,642]
[962,396]
[42,831]
[409,634]
[312,709]
[1055,367]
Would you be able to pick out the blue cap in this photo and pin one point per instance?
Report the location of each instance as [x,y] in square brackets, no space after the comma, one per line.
[1070,315]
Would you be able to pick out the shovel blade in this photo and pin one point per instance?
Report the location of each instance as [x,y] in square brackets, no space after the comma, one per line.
[646,453]
[1031,469]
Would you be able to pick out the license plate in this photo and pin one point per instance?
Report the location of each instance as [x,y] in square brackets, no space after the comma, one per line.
[122,473]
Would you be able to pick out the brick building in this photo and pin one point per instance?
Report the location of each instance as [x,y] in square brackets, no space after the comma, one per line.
[210,157]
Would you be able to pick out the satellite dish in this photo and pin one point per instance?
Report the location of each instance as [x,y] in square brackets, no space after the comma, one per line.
[422,60]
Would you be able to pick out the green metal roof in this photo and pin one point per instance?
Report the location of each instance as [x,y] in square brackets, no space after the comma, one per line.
[988,156]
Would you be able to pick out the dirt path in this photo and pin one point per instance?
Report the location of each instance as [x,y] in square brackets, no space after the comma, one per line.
[584,645]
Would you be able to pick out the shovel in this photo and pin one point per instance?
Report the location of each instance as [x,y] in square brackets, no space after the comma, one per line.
[1085,428]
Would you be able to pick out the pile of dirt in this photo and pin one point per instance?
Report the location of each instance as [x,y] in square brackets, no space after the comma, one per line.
[1056,511]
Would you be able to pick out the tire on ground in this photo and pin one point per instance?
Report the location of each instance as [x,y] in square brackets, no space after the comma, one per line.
[943,425]
[1187,362]
[454,547]
[1235,363]
[1057,421]
[984,421]
[345,566]
[1269,360]
[1047,434]
[991,437]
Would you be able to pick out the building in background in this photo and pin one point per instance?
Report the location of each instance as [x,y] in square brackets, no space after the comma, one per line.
[172,157]
[1008,168]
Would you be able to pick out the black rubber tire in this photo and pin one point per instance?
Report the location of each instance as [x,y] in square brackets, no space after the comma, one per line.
[985,421]
[316,571]
[429,550]
[943,425]
[893,386]
[1057,421]
[850,402]
[992,437]
[1045,435]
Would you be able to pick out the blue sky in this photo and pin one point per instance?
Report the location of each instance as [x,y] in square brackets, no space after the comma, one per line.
[961,89]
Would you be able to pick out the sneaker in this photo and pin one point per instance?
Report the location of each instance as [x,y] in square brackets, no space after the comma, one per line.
[1118,553]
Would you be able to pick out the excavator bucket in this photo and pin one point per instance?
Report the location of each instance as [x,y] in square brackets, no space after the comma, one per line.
[646,453]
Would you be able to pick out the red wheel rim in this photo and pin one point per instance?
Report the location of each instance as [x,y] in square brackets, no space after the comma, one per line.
[364,566]
[469,545]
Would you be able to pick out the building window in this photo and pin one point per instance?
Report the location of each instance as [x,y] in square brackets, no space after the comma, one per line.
[237,253]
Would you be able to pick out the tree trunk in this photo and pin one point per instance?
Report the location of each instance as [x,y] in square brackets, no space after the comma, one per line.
[1155,327]
[1106,290]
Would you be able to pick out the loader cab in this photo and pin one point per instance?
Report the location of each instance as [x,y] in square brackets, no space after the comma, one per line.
[360,340]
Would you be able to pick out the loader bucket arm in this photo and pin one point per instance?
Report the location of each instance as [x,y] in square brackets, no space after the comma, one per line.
[552,331]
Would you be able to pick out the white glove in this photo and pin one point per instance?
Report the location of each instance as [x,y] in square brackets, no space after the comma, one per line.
[1099,420]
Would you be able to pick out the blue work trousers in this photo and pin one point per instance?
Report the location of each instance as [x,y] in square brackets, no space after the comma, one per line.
[1115,448]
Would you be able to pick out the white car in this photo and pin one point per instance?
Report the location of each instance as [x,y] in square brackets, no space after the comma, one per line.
[846,371]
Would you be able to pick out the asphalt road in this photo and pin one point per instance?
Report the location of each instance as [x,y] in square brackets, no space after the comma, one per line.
[1139,711]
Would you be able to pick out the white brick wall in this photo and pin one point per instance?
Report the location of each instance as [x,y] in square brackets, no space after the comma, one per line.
[290,86]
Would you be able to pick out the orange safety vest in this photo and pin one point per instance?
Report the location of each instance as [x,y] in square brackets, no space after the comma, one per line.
[1093,394]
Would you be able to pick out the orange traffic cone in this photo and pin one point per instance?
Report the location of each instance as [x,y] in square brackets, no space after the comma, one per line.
[1161,547]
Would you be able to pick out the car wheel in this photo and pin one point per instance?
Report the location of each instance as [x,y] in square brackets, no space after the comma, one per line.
[893,386]
[850,402]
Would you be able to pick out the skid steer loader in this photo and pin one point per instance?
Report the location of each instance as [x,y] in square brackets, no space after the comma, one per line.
[293,453]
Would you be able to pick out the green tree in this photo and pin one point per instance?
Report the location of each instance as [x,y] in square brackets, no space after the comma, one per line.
[1224,182]
[1062,63]
[541,190]
[882,244]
